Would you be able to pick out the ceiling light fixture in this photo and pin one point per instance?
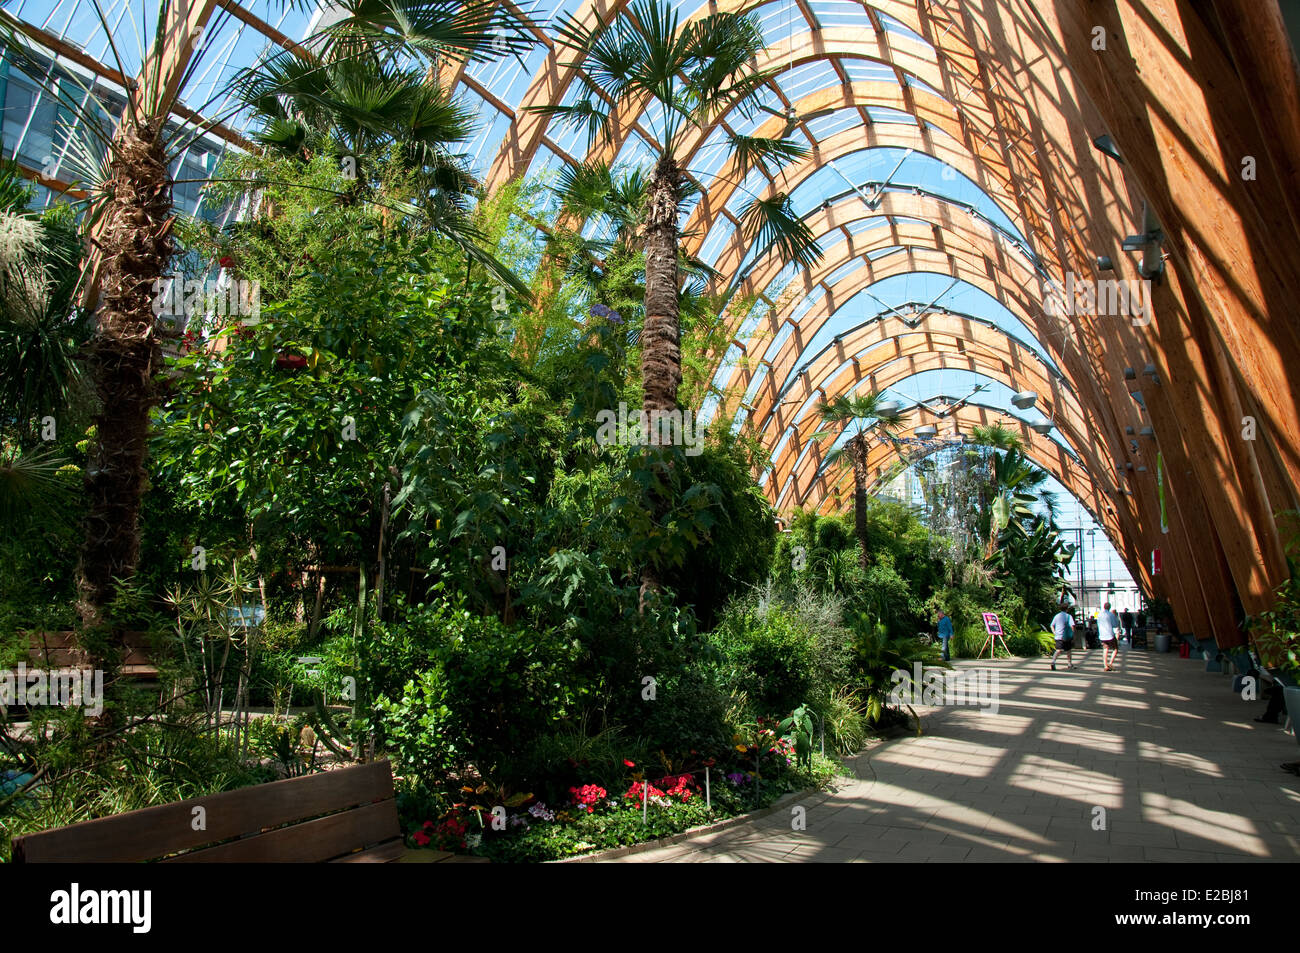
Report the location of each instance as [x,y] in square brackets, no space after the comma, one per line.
[1106,145]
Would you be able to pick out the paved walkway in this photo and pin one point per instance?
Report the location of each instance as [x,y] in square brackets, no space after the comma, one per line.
[1167,750]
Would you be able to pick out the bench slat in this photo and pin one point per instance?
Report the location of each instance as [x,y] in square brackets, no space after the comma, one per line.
[152,832]
[311,842]
[383,854]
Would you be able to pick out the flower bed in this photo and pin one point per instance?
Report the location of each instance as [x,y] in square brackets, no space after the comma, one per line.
[592,818]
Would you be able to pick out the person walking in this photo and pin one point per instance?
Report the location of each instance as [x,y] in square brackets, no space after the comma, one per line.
[1107,623]
[945,632]
[1063,633]
[1126,622]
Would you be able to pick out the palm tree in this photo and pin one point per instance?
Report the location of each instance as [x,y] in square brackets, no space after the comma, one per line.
[850,415]
[129,221]
[41,326]
[689,75]
[615,202]
[1016,485]
[354,99]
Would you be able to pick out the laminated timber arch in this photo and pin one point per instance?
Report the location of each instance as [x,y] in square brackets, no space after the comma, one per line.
[1216,343]
[899,361]
[1041,451]
[1044,452]
[797,456]
[1011,93]
[1018,87]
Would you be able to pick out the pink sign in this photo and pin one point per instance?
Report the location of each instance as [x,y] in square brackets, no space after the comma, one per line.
[992,625]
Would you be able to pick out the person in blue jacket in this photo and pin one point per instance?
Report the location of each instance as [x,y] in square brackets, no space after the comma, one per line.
[945,632]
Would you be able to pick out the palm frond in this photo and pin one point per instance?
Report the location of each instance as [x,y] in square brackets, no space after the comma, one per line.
[759,152]
[773,223]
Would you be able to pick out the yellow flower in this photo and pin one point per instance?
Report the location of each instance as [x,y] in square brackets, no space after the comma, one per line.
[741,748]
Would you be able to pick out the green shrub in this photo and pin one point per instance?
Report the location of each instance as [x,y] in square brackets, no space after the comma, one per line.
[488,692]
[968,640]
[1030,644]
[772,656]
[845,721]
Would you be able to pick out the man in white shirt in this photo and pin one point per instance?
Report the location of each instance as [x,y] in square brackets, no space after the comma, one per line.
[1063,632]
[1107,623]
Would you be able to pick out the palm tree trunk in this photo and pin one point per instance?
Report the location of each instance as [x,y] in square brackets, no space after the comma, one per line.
[137,247]
[661,348]
[858,451]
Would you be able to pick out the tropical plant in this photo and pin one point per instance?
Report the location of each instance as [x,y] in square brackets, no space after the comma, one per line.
[690,75]
[797,730]
[849,415]
[355,104]
[41,326]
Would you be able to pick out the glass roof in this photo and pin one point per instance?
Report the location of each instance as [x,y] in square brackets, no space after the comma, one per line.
[896,99]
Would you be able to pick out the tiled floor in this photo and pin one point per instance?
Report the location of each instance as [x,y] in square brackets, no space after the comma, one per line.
[1157,762]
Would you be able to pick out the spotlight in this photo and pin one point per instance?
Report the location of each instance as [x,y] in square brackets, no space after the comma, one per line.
[927,432]
[1104,263]
[1147,432]
[1043,427]
[1105,144]
[887,408]
[1025,399]
[1130,374]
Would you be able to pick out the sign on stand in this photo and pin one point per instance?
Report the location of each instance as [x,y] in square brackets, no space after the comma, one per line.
[993,626]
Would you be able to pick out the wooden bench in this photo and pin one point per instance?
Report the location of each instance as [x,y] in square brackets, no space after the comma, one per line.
[57,650]
[343,816]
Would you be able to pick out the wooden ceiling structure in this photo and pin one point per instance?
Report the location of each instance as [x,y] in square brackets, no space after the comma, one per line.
[1202,99]
[1012,94]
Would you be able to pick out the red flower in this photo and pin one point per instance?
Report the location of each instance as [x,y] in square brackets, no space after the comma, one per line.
[630,764]
[227,261]
[421,838]
[587,795]
[637,789]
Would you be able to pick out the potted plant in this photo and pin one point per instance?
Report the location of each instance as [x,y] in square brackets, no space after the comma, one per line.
[1277,637]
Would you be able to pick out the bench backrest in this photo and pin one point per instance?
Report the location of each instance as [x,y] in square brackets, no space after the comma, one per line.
[318,817]
[59,650]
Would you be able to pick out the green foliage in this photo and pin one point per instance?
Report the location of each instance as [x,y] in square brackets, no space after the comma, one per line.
[845,722]
[622,826]
[798,731]
[772,656]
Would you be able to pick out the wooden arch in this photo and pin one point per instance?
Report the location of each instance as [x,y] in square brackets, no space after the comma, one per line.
[1184,88]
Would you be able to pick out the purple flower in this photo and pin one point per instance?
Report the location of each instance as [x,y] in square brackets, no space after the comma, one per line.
[540,812]
[736,778]
[615,317]
[601,310]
